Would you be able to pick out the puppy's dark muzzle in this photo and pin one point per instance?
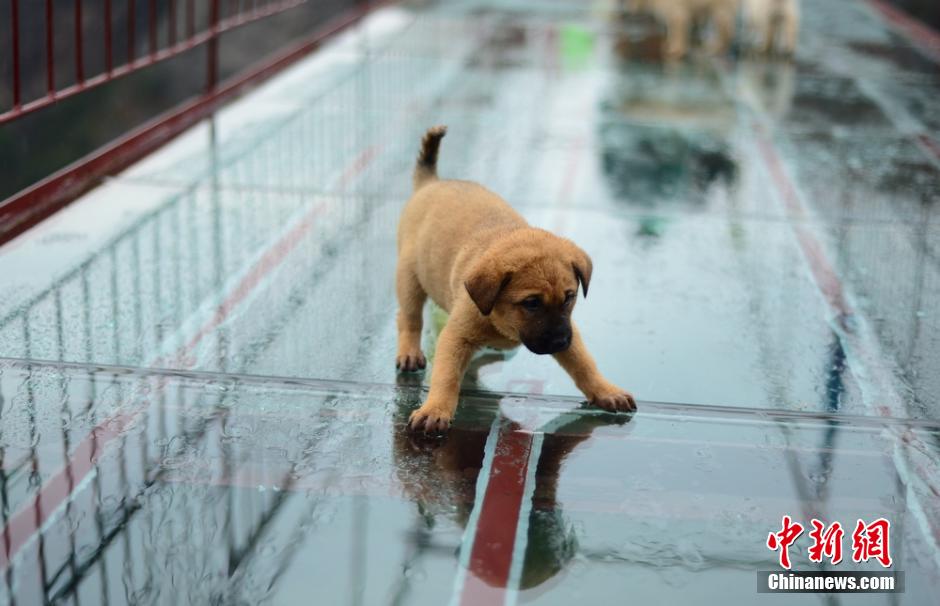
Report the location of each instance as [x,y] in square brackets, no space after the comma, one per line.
[550,345]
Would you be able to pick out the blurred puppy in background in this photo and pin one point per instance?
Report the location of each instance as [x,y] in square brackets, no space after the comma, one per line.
[502,282]
[770,26]
[679,17]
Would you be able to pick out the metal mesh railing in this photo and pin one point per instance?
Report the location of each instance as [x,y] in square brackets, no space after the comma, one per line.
[149,33]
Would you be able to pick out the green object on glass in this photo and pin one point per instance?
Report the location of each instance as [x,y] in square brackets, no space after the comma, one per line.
[577,45]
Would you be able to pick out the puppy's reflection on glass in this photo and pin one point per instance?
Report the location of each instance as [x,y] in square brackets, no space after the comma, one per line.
[440,474]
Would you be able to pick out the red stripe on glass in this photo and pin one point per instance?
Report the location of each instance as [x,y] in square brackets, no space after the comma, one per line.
[491,555]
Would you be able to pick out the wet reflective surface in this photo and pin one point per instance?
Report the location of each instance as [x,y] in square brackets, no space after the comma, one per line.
[765,237]
[200,488]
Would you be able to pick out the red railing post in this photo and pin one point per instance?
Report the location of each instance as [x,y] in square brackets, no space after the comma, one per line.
[50,50]
[171,30]
[79,50]
[212,48]
[15,27]
[108,52]
[152,27]
[190,20]
[131,26]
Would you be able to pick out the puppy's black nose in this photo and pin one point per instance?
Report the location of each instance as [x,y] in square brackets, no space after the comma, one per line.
[560,342]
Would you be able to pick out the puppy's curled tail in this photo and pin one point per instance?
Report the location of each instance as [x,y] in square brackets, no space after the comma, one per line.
[426,167]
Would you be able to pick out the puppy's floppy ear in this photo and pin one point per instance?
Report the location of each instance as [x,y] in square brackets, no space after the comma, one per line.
[582,265]
[485,283]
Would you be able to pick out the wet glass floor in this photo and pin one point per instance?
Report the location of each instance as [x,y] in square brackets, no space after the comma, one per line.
[198,395]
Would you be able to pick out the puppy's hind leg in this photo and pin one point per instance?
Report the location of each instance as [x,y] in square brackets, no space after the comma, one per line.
[411,298]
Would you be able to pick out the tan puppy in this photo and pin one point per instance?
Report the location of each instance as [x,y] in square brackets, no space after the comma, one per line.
[679,16]
[502,282]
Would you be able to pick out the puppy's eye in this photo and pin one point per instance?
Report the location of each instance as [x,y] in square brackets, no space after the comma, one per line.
[531,303]
[569,297]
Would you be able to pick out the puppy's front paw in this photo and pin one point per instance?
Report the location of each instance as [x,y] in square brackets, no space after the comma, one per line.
[614,399]
[431,417]
[410,361]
